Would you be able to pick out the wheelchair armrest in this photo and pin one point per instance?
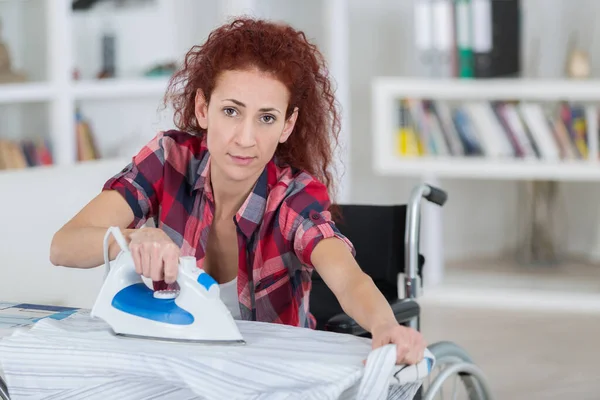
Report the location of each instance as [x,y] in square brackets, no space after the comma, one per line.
[404,310]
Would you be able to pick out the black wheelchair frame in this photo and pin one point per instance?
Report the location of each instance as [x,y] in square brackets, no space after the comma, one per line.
[377,232]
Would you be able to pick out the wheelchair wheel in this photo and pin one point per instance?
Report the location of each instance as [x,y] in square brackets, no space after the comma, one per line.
[3,390]
[454,365]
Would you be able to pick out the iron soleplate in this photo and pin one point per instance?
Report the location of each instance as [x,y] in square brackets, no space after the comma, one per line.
[178,340]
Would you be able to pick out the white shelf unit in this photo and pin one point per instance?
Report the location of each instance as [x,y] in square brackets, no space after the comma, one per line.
[480,168]
[11,93]
[386,91]
[119,88]
[61,94]
[26,92]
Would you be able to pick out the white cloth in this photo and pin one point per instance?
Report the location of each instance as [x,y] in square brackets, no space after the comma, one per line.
[79,357]
[229,296]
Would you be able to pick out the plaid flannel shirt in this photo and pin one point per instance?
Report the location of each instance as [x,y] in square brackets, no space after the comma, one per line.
[278,225]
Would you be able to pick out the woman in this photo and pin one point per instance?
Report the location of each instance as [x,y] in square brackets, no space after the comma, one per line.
[243,185]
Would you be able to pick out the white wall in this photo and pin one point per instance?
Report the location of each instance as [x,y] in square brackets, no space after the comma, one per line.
[33,206]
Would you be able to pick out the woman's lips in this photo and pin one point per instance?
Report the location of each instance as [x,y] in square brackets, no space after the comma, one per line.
[241,160]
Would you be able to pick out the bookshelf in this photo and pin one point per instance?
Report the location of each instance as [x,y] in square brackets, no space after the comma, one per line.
[61,37]
[387,91]
[58,92]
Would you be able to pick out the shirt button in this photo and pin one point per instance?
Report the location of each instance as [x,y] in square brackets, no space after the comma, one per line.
[316,217]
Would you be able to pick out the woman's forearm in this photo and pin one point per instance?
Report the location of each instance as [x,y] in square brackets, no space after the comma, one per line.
[363,302]
[356,292]
[82,247]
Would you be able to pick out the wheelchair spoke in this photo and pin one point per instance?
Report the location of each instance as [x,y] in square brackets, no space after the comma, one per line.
[454,393]
[452,363]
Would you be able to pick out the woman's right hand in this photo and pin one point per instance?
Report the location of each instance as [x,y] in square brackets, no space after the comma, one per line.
[155,255]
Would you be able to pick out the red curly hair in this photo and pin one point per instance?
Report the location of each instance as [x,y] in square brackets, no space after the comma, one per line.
[287,54]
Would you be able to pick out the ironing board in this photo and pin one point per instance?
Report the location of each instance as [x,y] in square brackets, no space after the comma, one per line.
[15,316]
[24,315]
[63,353]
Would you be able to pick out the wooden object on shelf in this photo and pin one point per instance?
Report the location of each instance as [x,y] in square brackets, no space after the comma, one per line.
[11,156]
[7,74]
[86,145]
[579,66]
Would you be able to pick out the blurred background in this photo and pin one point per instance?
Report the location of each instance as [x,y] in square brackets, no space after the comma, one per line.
[495,101]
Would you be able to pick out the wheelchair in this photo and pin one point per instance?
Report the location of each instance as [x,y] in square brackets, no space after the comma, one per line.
[377,232]
[3,390]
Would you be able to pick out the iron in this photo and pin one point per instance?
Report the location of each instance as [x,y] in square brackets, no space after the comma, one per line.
[193,313]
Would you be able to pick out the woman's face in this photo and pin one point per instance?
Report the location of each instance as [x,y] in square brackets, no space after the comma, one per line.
[245,121]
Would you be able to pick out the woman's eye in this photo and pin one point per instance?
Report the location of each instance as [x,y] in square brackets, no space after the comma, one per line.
[230,112]
[268,119]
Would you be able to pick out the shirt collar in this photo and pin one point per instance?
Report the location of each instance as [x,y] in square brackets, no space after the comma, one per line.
[251,213]
[199,171]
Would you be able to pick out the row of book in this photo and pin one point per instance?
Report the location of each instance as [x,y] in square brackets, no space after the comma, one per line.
[498,129]
[468,38]
[87,149]
[24,153]
[32,153]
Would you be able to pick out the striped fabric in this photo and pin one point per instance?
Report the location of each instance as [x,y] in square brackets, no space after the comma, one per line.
[78,357]
[278,226]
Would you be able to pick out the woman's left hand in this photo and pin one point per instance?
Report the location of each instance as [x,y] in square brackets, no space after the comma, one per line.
[410,345]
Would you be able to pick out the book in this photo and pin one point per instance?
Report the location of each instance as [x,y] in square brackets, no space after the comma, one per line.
[498,129]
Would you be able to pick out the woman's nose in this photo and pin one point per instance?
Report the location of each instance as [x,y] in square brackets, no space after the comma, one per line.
[245,134]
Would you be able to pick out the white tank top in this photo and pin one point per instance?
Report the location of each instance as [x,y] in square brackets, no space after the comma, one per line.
[229,296]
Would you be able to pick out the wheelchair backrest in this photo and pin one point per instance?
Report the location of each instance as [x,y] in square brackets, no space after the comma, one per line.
[377,233]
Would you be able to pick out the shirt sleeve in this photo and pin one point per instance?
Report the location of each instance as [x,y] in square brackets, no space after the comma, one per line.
[141,182]
[308,221]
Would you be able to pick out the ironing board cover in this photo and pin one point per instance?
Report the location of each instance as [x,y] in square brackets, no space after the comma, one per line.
[78,357]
